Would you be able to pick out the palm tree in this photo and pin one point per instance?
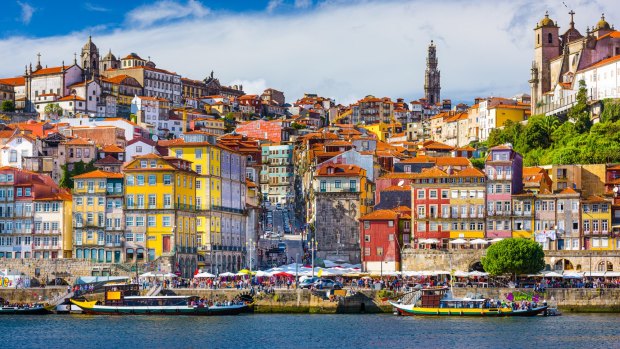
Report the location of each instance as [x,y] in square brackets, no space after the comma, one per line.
[549,123]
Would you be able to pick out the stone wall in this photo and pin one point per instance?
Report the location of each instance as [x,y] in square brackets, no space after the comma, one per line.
[465,259]
[336,220]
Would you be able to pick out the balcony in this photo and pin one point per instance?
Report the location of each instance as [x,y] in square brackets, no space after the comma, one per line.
[464,215]
[518,213]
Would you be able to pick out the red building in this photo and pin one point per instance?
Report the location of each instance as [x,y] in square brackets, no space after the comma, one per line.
[250,104]
[381,239]
[275,130]
[429,193]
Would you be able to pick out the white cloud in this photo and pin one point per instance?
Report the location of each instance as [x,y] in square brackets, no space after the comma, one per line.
[339,50]
[165,10]
[27,12]
[95,8]
[273,4]
[303,3]
[251,87]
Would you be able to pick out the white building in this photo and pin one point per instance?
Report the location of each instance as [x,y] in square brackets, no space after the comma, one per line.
[140,146]
[17,147]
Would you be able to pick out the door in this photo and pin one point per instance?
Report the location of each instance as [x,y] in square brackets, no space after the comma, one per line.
[166,243]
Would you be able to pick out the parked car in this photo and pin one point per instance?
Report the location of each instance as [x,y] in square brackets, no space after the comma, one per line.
[282,246]
[309,282]
[327,284]
[279,206]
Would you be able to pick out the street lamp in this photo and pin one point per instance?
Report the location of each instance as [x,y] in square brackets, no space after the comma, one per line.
[314,245]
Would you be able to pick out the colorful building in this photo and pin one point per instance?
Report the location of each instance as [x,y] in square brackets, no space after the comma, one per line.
[504,170]
[99,219]
[596,222]
[382,240]
[160,205]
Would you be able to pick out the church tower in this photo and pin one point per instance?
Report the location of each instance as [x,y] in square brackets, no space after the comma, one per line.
[546,47]
[90,60]
[432,84]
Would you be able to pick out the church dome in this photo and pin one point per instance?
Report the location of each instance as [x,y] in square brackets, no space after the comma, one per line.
[602,24]
[90,45]
[546,22]
[109,56]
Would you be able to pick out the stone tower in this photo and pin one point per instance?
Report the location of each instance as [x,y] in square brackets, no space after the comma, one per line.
[546,47]
[432,83]
[90,60]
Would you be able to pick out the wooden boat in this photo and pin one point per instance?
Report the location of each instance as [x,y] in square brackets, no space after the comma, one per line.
[19,310]
[437,302]
[125,300]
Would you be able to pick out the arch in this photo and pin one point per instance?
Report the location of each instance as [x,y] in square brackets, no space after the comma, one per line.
[564,264]
[476,266]
[578,267]
[550,38]
[604,266]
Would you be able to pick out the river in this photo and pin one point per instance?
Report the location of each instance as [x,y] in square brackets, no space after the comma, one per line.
[309,331]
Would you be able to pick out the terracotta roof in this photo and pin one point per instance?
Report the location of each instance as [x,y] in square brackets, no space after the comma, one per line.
[595,199]
[602,63]
[470,172]
[112,148]
[99,174]
[17,81]
[71,98]
[567,191]
[615,35]
[380,215]
[78,141]
[109,160]
[398,188]
[143,140]
[339,170]
[431,172]
[533,170]
[52,70]
[466,148]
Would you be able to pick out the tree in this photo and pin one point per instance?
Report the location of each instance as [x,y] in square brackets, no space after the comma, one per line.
[514,256]
[66,180]
[7,106]
[580,112]
[478,163]
[611,110]
[298,126]
[53,109]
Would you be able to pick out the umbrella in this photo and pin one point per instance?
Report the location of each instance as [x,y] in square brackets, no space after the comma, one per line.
[244,271]
[148,274]
[479,242]
[478,273]
[227,274]
[458,241]
[552,275]
[496,240]
[572,275]
[261,273]
[204,275]
[429,241]
[459,273]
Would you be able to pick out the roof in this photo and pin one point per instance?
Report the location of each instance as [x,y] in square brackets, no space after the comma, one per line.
[603,62]
[17,81]
[592,199]
[470,172]
[99,174]
[109,160]
[568,191]
[52,70]
[380,215]
[71,98]
[143,140]
[533,170]
[78,141]
[339,170]
[112,148]
[398,188]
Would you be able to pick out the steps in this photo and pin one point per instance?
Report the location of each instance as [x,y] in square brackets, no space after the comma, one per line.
[154,290]
[411,297]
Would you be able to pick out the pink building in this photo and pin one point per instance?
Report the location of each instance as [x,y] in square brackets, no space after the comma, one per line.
[504,171]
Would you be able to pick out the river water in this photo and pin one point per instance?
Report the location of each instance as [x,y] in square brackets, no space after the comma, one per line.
[309,331]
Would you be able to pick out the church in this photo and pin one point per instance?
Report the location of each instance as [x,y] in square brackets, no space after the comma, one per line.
[562,60]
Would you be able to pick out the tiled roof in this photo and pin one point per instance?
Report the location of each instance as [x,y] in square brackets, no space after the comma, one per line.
[78,141]
[568,191]
[470,172]
[398,188]
[109,160]
[17,81]
[99,174]
[339,170]
[52,70]
[380,215]
[112,148]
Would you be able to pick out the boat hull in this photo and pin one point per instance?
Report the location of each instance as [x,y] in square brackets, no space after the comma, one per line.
[92,308]
[24,311]
[472,312]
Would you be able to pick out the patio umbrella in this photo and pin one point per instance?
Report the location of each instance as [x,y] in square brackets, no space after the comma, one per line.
[204,275]
[458,241]
[244,271]
[479,242]
[461,274]
[431,241]
[227,274]
[478,273]
[496,240]
[552,275]
[572,275]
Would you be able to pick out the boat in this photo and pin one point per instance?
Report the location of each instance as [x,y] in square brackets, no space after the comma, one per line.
[66,307]
[36,309]
[439,302]
[124,299]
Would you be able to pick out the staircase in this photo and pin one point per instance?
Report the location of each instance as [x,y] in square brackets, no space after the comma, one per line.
[411,297]
[154,290]
[58,300]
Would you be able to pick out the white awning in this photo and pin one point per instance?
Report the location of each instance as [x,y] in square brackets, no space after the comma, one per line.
[458,241]
[428,241]
[479,242]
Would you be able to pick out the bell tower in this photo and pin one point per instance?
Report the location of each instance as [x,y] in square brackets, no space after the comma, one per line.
[90,60]
[432,83]
[546,47]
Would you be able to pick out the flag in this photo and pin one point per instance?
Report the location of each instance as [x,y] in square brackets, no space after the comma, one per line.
[320,273]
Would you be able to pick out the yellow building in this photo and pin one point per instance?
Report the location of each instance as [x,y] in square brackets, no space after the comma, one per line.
[383,130]
[98,216]
[205,159]
[160,203]
[467,204]
[596,222]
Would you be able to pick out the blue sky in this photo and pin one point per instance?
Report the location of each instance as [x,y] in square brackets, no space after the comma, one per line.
[345,49]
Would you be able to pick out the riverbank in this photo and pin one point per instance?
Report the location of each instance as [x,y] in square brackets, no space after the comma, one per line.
[363,301]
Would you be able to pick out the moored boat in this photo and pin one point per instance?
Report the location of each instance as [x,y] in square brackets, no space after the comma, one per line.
[438,302]
[23,309]
[125,300]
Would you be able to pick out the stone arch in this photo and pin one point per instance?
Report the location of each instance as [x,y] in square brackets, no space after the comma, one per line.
[604,265]
[578,267]
[563,264]
[476,266]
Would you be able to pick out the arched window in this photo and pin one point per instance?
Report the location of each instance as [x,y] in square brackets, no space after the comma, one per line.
[550,38]
[605,266]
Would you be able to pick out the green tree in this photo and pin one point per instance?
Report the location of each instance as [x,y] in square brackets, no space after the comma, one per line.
[580,112]
[81,167]
[514,256]
[611,110]
[298,126]
[53,109]
[478,163]
[7,106]
[229,122]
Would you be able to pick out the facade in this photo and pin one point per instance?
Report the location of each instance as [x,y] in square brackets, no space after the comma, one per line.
[596,221]
[382,240]
[35,216]
[99,221]
[160,196]
[277,173]
[342,195]
[504,171]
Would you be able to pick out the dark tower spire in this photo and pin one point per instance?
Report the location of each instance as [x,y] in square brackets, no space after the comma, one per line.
[432,83]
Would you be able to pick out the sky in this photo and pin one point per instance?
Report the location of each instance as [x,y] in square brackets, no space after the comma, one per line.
[343,49]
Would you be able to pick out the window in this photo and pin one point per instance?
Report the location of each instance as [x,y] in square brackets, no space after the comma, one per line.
[444,194]
[139,221]
[421,194]
[390,223]
[167,200]
[140,179]
[337,184]
[129,236]
[366,224]
[198,153]
[379,251]
[152,201]
[129,221]
[166,221]
[129,179]
[432,194]
[151,221]
[152,180]
[199,169]
[367,238]
[167,179]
